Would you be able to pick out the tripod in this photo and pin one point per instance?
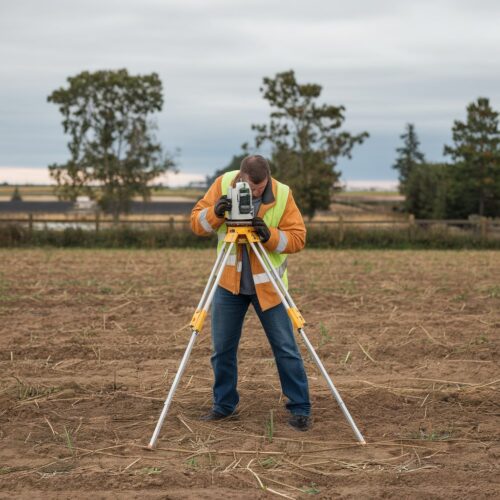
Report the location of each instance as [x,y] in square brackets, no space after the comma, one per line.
[242,233]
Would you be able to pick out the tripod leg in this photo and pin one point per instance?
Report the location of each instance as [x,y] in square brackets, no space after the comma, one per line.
[196,325]
[271,272]
[276,275]
[336,394]
[171,393]
[206,300]
[287,301]
[215,267]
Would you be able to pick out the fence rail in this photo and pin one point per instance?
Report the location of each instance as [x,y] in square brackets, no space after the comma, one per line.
[482,226]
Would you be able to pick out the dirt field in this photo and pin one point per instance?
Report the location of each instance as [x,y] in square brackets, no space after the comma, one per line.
[90,342]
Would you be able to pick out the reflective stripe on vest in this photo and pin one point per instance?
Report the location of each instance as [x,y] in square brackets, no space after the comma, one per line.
[272,218]
[264,278]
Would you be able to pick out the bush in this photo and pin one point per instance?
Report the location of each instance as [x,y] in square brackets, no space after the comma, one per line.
[396,238]
[318,236]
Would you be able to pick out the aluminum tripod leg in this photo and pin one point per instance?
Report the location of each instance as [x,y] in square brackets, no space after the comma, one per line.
[287,301]
[203,306]
[336,394]
[215,267]
[171,393]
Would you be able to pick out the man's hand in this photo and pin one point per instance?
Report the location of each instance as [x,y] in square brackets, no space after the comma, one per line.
[223,204]
[261,229]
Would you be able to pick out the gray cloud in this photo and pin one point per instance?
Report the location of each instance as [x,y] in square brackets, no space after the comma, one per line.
[389,62]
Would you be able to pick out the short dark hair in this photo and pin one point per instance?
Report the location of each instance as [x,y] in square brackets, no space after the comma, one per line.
[256,167]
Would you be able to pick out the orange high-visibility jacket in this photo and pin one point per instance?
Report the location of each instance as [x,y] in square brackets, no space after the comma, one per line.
[290,229]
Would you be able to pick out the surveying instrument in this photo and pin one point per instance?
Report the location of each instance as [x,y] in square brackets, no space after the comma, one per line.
[241,232]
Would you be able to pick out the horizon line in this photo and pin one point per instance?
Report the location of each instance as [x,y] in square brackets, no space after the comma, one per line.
[39,176]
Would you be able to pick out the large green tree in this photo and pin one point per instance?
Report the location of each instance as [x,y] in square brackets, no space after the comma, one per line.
[107,115]
[476,152]
[427,190]
[409,156]
[305,139]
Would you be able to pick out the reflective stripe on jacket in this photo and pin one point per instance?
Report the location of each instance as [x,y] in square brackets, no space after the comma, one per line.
[288,235]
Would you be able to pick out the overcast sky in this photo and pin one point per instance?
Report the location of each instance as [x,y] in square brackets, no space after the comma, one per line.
[388,61]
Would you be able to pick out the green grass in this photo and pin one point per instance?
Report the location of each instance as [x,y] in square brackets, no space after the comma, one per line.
[192,463]
[14,235]
[268,463]
[26,391]
[270,427]
[312,489]
[437,436]
[480,339]
[69,440]
[442,435]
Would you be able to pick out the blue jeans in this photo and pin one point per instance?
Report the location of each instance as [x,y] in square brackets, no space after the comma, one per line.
[228,313]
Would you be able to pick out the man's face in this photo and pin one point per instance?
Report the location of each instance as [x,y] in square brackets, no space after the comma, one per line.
[257,189]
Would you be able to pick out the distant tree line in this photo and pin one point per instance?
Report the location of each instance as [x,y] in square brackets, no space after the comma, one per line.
[108,117]
[469,184]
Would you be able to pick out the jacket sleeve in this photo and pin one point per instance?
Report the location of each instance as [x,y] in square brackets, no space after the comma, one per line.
[290,235]
[203,219]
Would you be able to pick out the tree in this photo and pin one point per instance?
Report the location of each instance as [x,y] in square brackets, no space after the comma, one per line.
[305,141]
[476,152]
[427,190]
[112,143]
[409,156]
[16,195]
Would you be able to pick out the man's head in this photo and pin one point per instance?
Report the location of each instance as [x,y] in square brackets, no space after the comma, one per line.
[255,170]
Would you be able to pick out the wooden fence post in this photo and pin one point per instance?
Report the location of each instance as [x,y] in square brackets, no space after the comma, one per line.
[483,225]
[30,222]
[171,224]
[341,228]
[411,226]
[97,221]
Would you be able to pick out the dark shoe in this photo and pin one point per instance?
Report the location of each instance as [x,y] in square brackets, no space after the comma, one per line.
[300,422]
[215,415]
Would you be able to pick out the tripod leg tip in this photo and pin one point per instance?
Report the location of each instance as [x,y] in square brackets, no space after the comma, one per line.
[151,446]
[363,443]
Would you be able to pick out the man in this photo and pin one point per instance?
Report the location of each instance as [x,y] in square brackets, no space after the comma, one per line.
[281,229]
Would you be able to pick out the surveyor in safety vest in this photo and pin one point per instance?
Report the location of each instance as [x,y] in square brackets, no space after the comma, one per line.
[281,229]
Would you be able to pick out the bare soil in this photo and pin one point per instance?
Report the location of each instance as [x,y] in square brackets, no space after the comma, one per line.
[90,342]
